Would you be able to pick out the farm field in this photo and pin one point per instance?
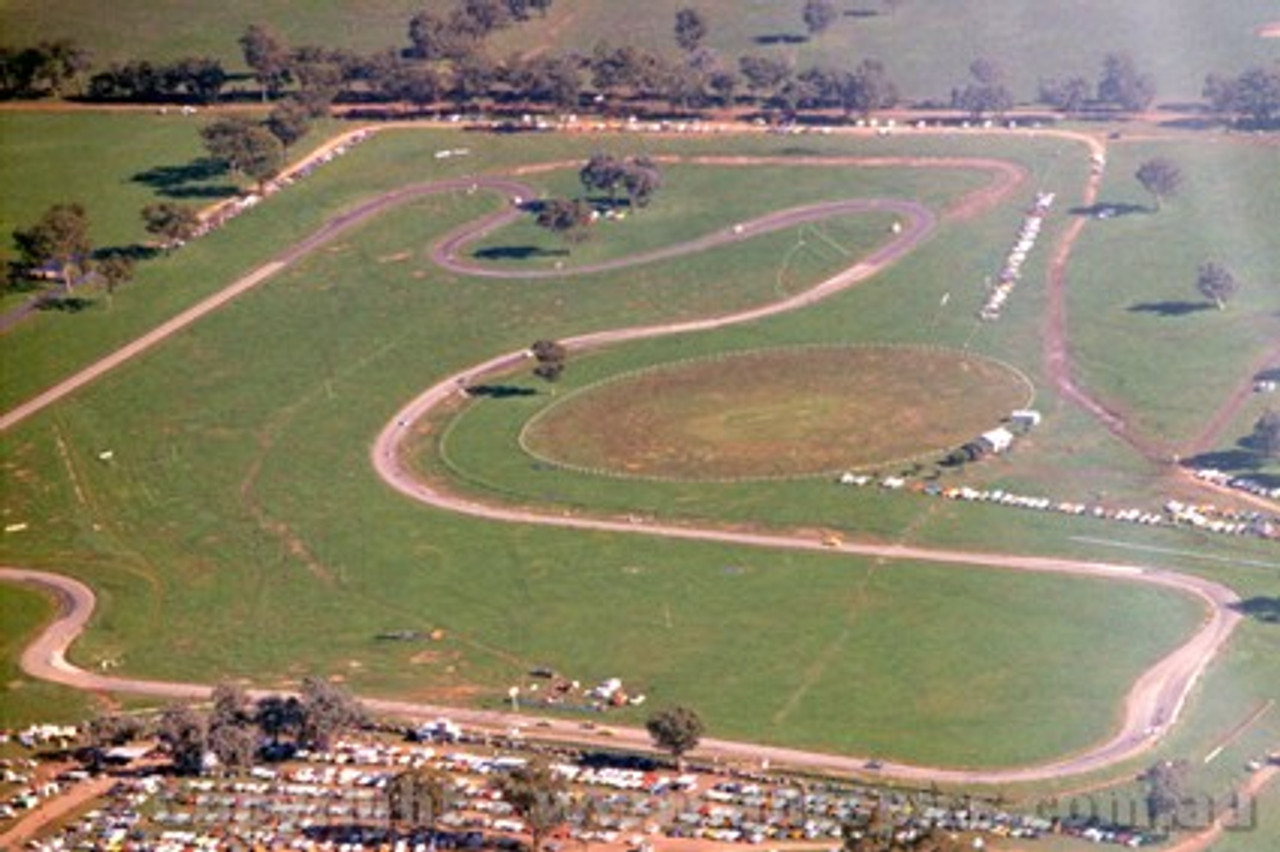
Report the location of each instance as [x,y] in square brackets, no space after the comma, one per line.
[927,44]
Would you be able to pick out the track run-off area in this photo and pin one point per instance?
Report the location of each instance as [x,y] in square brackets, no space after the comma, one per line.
[1153,703]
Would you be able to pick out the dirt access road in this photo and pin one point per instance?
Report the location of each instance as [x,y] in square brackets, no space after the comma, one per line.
[1153,704]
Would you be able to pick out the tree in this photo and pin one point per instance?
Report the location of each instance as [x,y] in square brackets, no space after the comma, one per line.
[819,15]
[60,238]
[677,730]
[435,37]
[538,794]
[418,797]
[690,29]
[987,94]
[200,76]
[1068,96]
[550,357]
[867,89]
[327,710]
[1266,434]
[1253,95]
[416,84]
[764,73]
[174,223]
[115,269]
[185,733]
[245,147]
[278,716]
[289,121]
[641,179]
[602,173]
[269,58]
[1165,788]
[570,218]
[1216,283]
[1123,86]
[1159,176]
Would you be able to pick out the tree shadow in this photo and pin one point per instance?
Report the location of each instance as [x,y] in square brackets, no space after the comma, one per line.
[780,38]
[187,180]
[1110,210]
[517,253]
[64,303]
[1260,608]
[500,391]
[133,251]
[861,13]
[1241,459]
[1169,308]
[1268,375]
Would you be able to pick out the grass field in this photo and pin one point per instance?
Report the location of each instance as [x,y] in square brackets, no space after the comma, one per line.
[777,413]
[927,44]
[239,532]
[239,495]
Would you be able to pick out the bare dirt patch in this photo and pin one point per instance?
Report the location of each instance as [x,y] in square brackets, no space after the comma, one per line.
[1269,30]
[779,412]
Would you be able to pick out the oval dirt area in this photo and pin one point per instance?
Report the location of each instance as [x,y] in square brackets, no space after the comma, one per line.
[778,412]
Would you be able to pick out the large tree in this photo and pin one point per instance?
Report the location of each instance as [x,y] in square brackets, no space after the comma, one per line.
[269,57]
[549,356]
[819,15]
[1216,283]
[987,94]
[115,269]
[417,798]
[1161,177]
[690,29]
[1123,86]
[60,238]
[1254,95]
[245,147]
[677,730]
[173,223]
[1068,95]
[539,796]
[1266,434]
[327,710]
[867,89]
[289,121]
[568,217]
[1165,783]
[185,733]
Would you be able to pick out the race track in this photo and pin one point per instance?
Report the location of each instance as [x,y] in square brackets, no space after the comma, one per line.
[1153,704]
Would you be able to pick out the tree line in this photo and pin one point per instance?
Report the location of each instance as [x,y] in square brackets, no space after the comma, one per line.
[448,59]
[236,730]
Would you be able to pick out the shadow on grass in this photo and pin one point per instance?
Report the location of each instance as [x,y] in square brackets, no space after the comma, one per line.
[188,180]
[1269,375]
[517,253]
[1169,308]
[133,251]
[64,303]
[1109,210]
[1266,610]
[780,38]
[1231,461]
[500,391]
